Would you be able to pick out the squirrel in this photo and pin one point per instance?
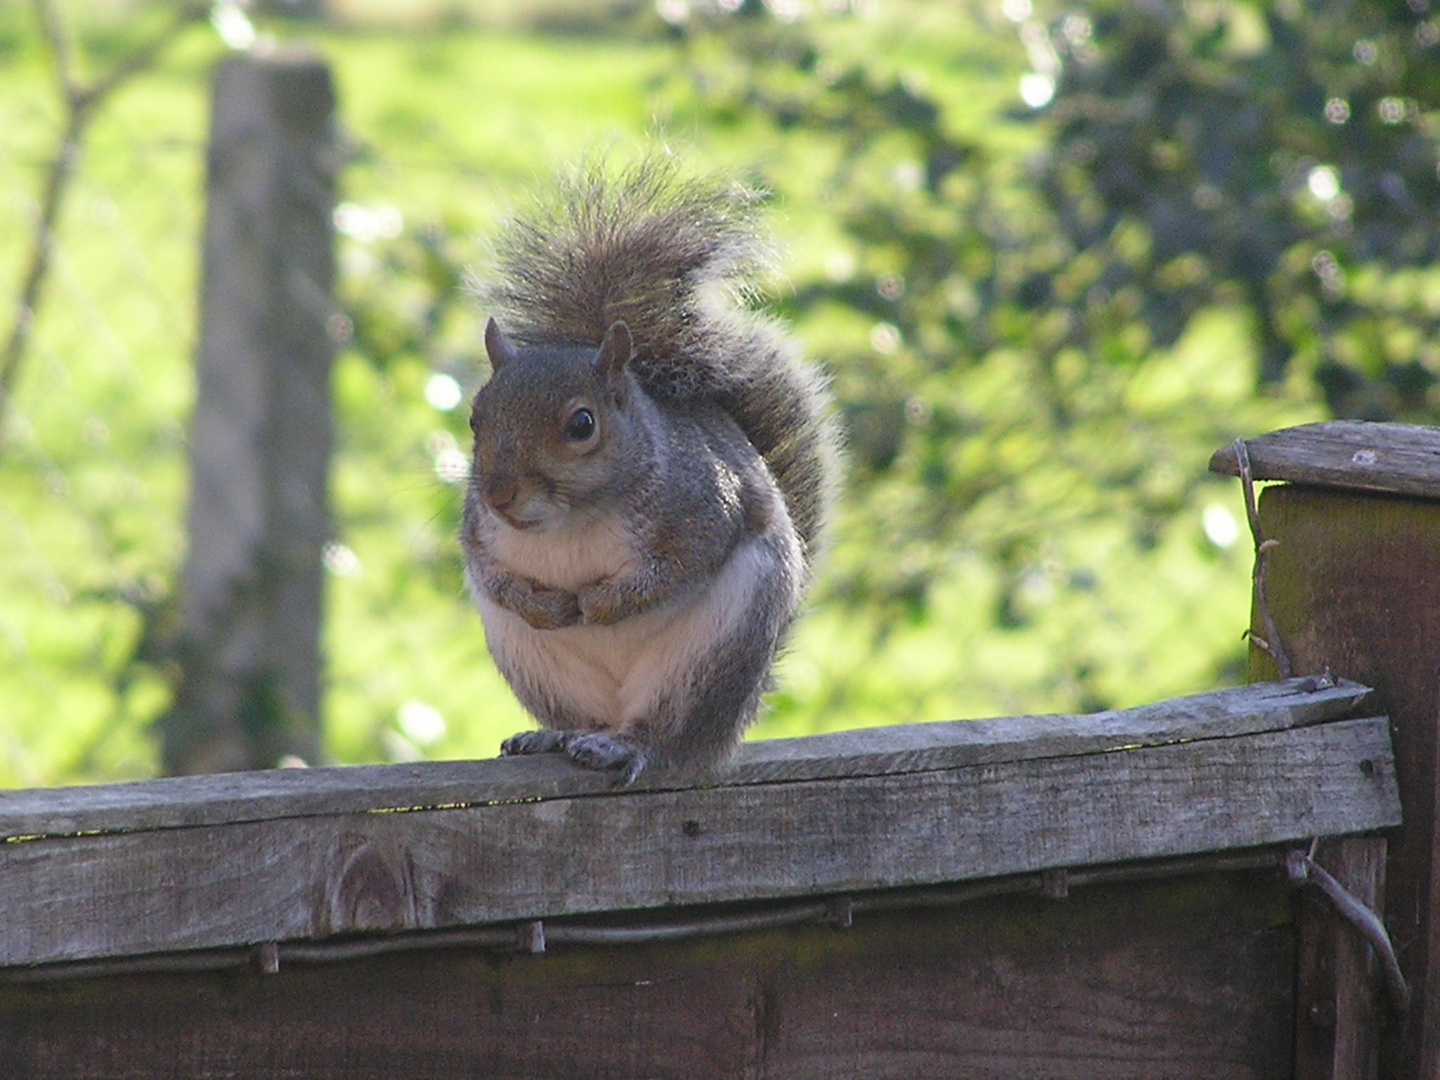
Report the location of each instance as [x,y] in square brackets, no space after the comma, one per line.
[652,471]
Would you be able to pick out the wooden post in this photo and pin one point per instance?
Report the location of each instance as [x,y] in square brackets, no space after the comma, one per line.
[1354,586]
[260,439]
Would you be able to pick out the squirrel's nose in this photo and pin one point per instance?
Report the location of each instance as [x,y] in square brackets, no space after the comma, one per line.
[500,492]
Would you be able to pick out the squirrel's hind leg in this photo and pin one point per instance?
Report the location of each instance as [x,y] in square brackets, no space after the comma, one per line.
[591,749]
[601,750]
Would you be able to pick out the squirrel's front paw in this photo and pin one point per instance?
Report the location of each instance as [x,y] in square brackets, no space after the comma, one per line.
[603,605]
[549,609]
[533,742]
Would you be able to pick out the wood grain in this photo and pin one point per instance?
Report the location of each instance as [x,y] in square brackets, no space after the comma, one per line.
[1397,459]
[1354,585]
[81,897]
[184,802]
[1358,863]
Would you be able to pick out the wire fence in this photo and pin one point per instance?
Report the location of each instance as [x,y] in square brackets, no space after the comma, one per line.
[90,470]
[94,460]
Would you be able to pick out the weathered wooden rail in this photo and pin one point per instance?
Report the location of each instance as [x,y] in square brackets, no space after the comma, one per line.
[290,855]
[1087,896]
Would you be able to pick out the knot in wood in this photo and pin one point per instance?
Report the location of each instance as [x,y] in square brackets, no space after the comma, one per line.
[370,886]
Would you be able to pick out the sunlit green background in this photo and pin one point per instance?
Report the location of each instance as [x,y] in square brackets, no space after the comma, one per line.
[1045,282]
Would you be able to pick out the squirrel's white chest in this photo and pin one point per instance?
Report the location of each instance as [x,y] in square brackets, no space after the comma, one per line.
[616,676]
[564,558]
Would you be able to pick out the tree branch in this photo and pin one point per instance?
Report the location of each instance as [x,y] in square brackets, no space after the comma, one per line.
[80,102]
[1270,643]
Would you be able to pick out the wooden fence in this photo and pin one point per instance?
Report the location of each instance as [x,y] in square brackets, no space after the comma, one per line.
[1035,896]
[1141,893]
[1354,587]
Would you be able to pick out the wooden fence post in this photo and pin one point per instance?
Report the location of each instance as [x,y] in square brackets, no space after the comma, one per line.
[261,433]
[1354,587]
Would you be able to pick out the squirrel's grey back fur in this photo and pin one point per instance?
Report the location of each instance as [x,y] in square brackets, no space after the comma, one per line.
[675,257]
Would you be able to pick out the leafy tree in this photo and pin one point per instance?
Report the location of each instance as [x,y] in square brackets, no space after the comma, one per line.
[1284,154]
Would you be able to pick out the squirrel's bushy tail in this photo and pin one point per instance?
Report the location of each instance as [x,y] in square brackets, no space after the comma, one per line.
[676,257]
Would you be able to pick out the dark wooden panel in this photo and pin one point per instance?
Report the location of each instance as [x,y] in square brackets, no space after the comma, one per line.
[1398,459]
[1182,978]
[1354,585]
[294,878]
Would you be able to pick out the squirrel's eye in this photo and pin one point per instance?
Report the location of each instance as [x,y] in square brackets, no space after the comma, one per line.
[581,426]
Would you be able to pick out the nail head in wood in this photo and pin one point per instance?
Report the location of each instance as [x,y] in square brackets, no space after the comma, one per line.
[267,958]
[530,937]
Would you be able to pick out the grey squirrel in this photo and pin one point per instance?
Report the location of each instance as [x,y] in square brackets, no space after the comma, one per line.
[652,470]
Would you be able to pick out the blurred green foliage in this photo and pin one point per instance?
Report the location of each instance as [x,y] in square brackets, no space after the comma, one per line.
[1283,155]
[1041,319]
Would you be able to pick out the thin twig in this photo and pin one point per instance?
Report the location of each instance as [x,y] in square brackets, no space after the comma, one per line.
[80,102]
[145,54]
[1247,484]
[1270,643]
[1303,869]
[57,38]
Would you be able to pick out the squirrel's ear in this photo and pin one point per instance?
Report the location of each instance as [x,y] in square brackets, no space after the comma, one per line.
[614,350]
[497,345]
